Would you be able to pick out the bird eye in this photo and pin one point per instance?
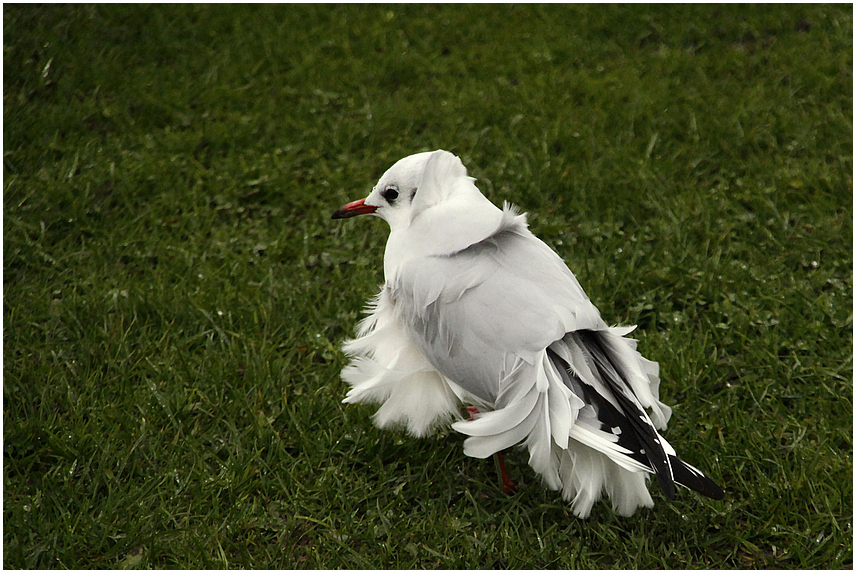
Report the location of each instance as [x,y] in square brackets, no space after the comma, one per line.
[390,194]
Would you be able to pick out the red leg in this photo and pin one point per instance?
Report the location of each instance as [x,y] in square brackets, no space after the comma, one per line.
[508,486]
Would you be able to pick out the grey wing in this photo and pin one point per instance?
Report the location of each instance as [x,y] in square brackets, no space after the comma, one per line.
[476,312]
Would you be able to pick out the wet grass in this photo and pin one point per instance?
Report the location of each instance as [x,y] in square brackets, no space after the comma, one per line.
[175,293]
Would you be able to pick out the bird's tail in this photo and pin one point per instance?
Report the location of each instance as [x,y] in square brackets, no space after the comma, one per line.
[589,417]
[612,386]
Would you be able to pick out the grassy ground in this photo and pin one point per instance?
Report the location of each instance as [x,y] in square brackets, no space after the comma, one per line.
[175,293]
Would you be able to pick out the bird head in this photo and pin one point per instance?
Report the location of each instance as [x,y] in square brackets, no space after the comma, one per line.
[409,187]
[432,208]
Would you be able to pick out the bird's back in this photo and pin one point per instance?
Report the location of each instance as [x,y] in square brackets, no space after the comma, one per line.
[474,312]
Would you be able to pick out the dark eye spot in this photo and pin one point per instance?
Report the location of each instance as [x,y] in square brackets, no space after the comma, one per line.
[390,194]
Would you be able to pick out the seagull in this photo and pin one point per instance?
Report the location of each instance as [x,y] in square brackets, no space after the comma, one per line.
[475,309]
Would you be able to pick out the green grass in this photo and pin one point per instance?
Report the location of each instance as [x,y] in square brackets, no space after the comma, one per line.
[175,293]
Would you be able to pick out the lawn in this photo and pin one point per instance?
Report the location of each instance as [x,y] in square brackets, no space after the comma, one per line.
[175,293]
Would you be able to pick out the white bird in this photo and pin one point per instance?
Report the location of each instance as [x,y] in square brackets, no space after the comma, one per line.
[476,310]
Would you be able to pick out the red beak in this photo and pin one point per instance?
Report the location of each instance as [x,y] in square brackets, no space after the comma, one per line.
[353,209]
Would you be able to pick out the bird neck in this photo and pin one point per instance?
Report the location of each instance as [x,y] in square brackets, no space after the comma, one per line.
[443,229]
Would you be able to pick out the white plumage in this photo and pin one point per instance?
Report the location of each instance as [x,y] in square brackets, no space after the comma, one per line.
[475,309]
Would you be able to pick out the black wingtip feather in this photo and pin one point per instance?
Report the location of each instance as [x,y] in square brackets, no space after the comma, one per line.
[635,415]
[689,477]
